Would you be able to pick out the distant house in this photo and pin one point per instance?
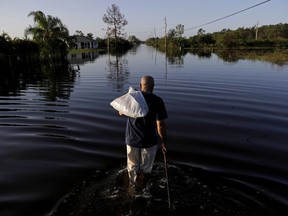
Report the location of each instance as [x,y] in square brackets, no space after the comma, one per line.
[82,42]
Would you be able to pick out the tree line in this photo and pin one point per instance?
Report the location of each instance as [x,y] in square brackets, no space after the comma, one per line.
[50,36]
[266,36]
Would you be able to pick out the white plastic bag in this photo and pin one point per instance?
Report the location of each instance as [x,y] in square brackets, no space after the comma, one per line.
[131,104]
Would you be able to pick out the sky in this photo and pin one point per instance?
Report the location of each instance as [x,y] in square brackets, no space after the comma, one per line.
[145,17]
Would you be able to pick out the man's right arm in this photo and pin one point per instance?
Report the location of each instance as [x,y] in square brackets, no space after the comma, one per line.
[161,129]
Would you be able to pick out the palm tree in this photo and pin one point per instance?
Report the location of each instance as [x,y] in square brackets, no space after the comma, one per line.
[6,37]
[50,33]
[5,43]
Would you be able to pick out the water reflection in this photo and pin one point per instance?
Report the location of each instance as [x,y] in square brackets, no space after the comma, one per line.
[201,53]
[176,61]
[118,71]
[28,70]
[174,57]
[134,50]
[45,74]
[275,57]
[82,58]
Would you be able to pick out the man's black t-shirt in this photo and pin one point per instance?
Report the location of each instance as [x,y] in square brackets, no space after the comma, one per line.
[141,132]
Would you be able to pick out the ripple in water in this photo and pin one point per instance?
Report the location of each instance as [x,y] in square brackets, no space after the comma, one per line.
[192,192]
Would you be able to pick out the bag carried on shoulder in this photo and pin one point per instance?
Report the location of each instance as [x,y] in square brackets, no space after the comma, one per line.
[131,104]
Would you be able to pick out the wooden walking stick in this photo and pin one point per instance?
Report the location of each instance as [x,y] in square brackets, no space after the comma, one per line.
[167,182]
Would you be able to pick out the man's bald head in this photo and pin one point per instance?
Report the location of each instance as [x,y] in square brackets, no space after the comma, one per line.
[147,84]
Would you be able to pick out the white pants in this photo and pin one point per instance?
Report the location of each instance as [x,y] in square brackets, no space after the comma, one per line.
[140,159]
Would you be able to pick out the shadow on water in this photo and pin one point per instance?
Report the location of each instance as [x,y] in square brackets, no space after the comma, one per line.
[192,191]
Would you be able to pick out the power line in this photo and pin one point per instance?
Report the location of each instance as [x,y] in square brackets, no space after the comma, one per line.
[148,31]
[213,21]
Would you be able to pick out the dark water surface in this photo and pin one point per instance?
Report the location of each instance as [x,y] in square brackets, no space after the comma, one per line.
[227,129]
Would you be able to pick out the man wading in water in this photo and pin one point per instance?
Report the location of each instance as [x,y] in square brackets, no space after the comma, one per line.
[141,136]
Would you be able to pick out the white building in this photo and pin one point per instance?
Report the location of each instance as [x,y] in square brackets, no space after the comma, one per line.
[82,42]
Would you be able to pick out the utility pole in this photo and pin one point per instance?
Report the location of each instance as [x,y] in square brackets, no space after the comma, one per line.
[155,40]
[256,36]
[165,33]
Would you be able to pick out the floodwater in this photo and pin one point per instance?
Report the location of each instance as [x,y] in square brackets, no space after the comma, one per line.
[62,145]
